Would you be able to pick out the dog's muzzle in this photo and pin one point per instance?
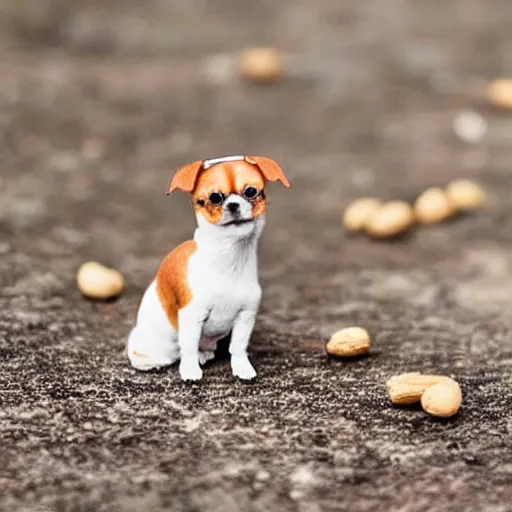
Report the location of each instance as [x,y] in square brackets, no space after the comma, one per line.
[237,210]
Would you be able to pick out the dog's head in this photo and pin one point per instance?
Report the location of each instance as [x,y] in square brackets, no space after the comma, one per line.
[229,192]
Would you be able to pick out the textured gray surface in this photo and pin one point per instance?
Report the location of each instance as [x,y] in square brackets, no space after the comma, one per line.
[367,108]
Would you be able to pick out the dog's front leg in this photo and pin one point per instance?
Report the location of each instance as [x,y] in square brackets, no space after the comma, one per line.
[242,330]
[191,320]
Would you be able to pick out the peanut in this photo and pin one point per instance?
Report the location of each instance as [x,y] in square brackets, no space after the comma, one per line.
[358,212]
[465,194]
[433,206]
[408,388]
[261,64]
[499,92]
[99,282]
[349,342]
[442,399]
[390,219]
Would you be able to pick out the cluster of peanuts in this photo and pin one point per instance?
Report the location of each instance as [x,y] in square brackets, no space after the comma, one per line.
[388,219]
[439,395]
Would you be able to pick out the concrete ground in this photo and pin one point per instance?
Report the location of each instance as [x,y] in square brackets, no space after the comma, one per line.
[100,103]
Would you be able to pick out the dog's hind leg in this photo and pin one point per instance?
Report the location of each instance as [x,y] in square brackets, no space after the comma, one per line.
[153,342]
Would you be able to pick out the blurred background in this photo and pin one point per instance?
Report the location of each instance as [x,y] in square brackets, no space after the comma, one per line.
[101,101]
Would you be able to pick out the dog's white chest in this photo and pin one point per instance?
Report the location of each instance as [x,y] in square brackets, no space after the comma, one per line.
[223,290]
[221,318]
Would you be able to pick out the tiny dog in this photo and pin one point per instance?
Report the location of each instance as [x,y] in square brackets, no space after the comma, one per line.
[208,288]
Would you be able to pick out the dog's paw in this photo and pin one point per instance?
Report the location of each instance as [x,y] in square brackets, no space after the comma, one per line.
[205,356]
[242,368]
[144,363]
[190,371]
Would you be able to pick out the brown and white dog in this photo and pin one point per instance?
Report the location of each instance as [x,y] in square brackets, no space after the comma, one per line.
[208,287]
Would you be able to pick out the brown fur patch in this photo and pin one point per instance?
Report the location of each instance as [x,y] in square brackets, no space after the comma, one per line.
[269,168]
[186,177]
[171,281]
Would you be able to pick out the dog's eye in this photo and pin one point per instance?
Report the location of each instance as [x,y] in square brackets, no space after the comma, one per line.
[216,198]
[200,202]
[250,192]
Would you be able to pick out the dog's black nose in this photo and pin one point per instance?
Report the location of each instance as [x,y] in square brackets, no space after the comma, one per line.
[233,207]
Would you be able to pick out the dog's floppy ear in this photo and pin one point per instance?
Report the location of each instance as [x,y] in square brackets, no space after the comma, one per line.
[269,168]
[185,178]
